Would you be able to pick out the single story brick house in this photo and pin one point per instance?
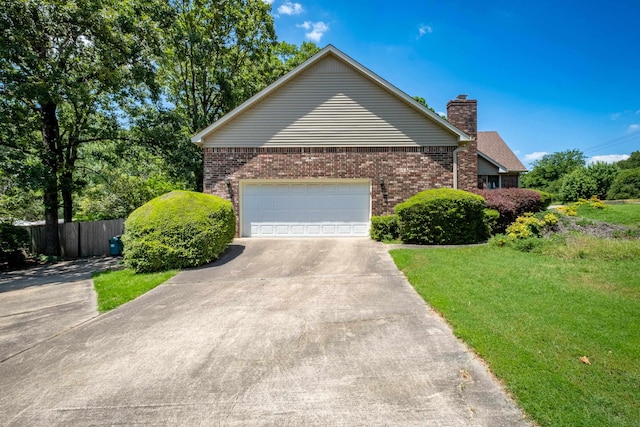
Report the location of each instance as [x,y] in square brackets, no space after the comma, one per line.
[330,144]
[498,166]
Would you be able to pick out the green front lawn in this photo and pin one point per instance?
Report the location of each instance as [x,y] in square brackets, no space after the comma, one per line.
[626,214]
[114,288]
[532,316]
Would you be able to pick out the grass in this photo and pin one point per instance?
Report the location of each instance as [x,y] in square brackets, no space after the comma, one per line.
[532,316]
[625,214]
[115,288]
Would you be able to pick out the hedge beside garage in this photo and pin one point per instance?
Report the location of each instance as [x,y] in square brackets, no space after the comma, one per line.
[442,217]
[177,230]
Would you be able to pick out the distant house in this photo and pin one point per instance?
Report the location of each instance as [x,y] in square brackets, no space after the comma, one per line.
[498,166]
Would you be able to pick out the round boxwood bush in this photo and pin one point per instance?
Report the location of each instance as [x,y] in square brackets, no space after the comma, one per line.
[384,228]
[443,217]
[177,230]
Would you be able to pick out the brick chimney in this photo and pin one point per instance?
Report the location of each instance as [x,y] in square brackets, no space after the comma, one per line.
[463,114]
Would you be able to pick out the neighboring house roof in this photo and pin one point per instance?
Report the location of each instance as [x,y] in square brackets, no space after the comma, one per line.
[493,148]
[279,115]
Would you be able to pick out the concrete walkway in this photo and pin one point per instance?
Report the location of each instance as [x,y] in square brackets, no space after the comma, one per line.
[277,332]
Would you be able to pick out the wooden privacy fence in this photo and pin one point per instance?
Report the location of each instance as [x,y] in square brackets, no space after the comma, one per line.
[79,239]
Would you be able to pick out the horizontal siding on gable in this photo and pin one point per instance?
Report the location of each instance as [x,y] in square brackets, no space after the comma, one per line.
[486,168]
[330,105]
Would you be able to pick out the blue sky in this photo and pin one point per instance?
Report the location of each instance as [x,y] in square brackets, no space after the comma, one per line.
[548,76]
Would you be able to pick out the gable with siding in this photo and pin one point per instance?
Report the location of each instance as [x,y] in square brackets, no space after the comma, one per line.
[330,103]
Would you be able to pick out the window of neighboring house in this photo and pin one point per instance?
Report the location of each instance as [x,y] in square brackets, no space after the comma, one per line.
[493,181]
[488,182]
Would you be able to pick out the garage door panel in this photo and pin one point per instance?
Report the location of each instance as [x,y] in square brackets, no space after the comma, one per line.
[361,229]
[297,188]
[305,209]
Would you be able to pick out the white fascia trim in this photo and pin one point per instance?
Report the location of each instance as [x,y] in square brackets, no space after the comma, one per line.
[329,49]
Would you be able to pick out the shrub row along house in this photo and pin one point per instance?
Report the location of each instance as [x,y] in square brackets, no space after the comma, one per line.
[330,144]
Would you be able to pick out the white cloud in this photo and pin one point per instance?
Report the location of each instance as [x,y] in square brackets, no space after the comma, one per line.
[609,158]
[625,113]
[424,29]
[268,1]
[633,128]
[289,8]
[532,157]
[317,30]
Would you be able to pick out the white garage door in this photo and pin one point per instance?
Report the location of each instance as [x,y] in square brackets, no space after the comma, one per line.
[290,209]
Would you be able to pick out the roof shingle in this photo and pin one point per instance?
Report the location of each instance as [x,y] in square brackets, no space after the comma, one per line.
[493,146]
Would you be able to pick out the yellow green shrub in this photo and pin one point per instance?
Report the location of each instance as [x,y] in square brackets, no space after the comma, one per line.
[526,226]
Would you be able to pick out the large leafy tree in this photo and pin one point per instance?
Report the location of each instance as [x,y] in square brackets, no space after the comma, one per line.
[123,177]
[77,85]
[631,163]
[547,172]
[217,54]
[287,56]
[65,66]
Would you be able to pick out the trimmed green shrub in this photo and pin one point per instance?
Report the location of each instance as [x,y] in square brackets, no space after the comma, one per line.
[177,230]
[442,216]
[626,185]
[384,228]
[491,217]
[14,242]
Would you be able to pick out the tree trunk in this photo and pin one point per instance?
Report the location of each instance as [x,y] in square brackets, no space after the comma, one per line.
[66,189]
[50,159]
[199,172]
[66,177]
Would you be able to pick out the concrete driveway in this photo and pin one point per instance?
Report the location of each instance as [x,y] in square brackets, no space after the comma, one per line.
[39,303]
[277,332]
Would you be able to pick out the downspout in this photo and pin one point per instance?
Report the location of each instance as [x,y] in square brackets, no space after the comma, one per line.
[463,147]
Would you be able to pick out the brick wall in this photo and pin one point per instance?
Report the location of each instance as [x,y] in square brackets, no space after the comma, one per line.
[405,170]
[463,114]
